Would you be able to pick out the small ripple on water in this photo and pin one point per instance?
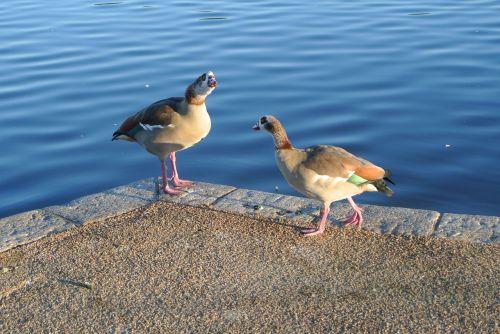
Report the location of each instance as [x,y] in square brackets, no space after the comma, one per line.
[419,14]
[108,3]
[214,18]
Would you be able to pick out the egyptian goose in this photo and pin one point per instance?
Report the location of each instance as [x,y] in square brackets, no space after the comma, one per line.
[325,173]
[172,125]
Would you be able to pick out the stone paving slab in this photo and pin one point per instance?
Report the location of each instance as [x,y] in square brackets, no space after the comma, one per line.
[140,190]
[29,226]
[399,221]
[107,204]
[473,228]
[258,204]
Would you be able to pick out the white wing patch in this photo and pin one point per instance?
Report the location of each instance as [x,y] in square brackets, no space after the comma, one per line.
[148,127]
[331,179]
[328,179]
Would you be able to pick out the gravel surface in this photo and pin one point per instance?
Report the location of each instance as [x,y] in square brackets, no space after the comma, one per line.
[182,269]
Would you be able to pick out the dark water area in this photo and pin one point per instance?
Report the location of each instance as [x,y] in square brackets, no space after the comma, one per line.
[413,86]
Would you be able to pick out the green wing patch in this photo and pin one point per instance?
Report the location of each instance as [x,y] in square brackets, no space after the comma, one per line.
[357,180]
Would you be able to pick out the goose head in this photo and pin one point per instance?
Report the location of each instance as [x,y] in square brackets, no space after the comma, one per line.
[205,83]
[266,122]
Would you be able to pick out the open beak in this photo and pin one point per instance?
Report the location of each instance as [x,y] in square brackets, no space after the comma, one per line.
[256,127]
[212,83]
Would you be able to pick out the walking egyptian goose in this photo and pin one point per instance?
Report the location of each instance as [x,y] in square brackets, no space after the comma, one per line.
[172,125]
[325,173]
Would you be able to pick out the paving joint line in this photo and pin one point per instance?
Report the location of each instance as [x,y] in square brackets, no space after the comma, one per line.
[217,200]
[438,221]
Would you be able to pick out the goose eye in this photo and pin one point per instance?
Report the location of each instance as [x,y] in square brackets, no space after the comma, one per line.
[263,120]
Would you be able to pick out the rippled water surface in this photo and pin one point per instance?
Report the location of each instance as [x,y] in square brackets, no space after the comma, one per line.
[413,86]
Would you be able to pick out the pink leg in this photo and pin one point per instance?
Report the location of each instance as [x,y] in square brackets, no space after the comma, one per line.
[175,177]
[166,188]
[315,231]
[357,217]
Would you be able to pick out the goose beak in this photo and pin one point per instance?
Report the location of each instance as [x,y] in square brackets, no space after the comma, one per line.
[212,83]
[256,127]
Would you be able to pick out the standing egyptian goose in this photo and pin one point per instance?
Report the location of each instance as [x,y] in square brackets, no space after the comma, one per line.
[172,125]
[325,173]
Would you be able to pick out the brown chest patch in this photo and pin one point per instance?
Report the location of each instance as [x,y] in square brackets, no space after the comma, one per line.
[286,146]
[192,97]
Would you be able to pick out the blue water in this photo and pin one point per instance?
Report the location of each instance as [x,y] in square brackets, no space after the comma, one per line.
[392,81]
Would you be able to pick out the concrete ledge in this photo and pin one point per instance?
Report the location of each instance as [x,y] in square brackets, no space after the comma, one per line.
[30,226]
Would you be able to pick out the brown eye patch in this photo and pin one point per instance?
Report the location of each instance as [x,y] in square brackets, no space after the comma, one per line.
[263,120]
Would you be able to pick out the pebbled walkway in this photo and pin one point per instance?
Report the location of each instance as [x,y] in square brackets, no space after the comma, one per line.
[175,268]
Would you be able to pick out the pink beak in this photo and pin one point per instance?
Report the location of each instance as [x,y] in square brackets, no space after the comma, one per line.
[212,83]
